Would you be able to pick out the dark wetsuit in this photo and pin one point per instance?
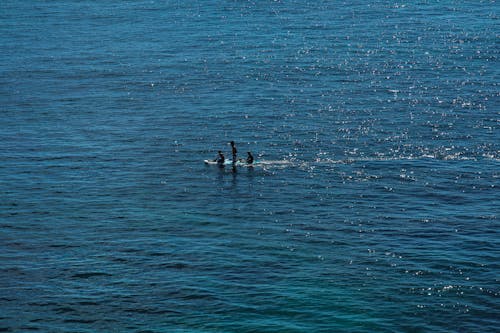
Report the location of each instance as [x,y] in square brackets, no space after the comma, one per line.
[250,159]
[234,151]
[220,160]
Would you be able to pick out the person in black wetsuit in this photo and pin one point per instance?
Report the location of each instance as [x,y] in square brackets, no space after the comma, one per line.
[234,152]
[249,158]
[220,159]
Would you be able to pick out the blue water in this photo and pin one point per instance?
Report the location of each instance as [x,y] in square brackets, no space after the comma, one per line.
[376,209]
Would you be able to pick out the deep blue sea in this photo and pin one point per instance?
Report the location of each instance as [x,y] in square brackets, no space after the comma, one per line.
[373,208]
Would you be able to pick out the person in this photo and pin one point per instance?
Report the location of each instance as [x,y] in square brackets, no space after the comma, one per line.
[233,151]
[220,159]
[249,158]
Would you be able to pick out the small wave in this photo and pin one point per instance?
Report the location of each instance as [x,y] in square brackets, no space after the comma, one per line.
[177,265]
[79,321]
[157,254]
[152,311]
[88,303]
[64,246]
[89,275]
[64,310]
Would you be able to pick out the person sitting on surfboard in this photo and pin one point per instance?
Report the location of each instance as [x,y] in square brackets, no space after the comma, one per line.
[220,159]
[234,151]
[249,158]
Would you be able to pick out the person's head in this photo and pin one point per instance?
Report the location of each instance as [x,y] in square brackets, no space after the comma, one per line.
[232,143]
[249,153]
[220,152]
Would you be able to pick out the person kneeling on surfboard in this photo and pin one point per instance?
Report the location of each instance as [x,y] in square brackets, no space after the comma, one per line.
[249,158]
[220,159]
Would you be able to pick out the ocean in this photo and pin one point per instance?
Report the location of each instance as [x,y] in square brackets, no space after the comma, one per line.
[373,205]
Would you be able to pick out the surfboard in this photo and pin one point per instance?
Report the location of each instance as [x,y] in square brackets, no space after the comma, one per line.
[227,162]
